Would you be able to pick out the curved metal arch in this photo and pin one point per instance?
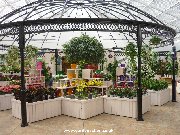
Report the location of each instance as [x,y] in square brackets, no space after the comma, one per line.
[70,4]
[82,24]
[3,18]
[89,24]
[34,9]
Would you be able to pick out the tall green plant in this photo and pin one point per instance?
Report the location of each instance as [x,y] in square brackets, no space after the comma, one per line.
[131,54]
[84,48]
[31,52]
[112,70]
[149,60]
[169,65]
[45,72]
[12,60]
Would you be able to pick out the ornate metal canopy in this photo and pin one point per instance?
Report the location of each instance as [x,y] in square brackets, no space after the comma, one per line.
[83,15]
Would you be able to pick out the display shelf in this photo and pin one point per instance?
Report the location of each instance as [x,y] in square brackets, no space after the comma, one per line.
[94,79]
[101,87]
[87,73]
[71,87]
[73,73]
[66,82]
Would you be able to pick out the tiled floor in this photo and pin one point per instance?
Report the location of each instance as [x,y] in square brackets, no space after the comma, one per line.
[164,120]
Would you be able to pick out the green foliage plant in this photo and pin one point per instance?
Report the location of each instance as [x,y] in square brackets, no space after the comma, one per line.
[84,48]
[131,54]
[155,40]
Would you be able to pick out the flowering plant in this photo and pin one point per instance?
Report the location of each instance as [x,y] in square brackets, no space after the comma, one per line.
[81,90]
[4,78]
[94,82]
[8,89]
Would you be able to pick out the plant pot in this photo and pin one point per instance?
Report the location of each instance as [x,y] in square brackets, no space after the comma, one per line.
[46,97]
[73,66]
[70,75]
[90,96]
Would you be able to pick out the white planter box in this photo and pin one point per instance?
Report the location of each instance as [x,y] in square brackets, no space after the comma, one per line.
[38,110]
[160,97]
[178,87]
[4,83]
[82,109]
[5,101]
[124,106]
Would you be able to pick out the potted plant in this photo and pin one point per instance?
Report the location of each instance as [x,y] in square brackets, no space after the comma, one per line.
[84,48]
[155,40]
[112,70]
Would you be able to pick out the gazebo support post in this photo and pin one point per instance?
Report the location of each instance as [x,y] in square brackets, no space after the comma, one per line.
[56,57]
[173,79]
[139,90]
[23,91]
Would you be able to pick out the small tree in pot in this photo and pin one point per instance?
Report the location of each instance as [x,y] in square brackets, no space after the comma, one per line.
[84,48]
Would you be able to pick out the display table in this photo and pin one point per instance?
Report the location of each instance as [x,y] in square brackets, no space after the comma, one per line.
[38,110]
[125,106]
[5,101]
[160,97]
[82,109]
[100,87]
[72,87]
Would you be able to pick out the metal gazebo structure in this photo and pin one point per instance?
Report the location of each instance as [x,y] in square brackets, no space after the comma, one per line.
[97,15]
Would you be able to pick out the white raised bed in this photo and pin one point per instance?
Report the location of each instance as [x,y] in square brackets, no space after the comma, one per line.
[38,110]
[160,97]
[178,87]
[82,109]
[5,101]
[4,83]
[124,106]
